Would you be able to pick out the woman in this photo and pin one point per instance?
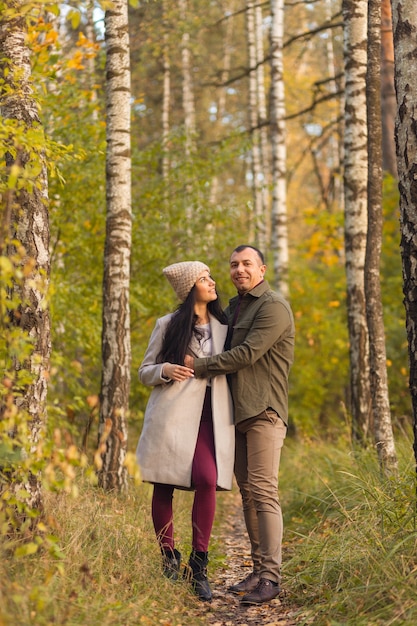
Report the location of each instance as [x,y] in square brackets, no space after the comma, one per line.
[187,440]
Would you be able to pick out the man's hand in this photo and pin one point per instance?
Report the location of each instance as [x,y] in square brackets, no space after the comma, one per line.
[177,372]
[189,362]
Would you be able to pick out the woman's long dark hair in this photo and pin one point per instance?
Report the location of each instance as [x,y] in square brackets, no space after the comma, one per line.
[181,328]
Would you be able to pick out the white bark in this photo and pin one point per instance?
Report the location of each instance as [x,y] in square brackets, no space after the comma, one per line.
[188,105]
[382,427]
[227,53]
[335,148]
[166,100]
[265,230]
[222,91]
[257,176]
[116,350]
[90,61]
[279,221]
[355,189]
[187,81]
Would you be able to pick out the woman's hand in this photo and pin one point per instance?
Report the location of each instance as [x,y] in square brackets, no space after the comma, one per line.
[189,361]
[177,372]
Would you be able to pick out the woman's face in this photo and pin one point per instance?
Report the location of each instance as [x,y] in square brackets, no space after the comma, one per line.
[205,288]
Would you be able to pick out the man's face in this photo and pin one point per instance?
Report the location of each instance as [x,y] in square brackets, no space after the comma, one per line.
[246,270]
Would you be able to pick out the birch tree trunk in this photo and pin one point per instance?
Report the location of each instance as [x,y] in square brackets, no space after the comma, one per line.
[222,91]
[166,97]
[257,184]
[262,109]
[279,221]
[404,18]
[389,161]
[336,186]
[188,104]
[265,232]
[90,61]
[355,200]
[382,426]
[27,222]
[116,350]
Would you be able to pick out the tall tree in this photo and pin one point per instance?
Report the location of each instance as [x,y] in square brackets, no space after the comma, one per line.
[166,94]
[188,103]
[404,18]
[187,81]
[335,186]
[90,61]
[388,90]
[263,128]
[221,101]
[116,348]
[279,220]
[382,426]
[26,221]
[355,187]
[257,183]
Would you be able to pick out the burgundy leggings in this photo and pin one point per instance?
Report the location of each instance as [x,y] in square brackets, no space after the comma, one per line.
[204,479]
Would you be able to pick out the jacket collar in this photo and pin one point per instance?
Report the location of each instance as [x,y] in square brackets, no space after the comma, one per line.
[256,292]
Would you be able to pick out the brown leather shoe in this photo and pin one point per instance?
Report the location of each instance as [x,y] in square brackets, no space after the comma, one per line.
[247,584]
[265,591]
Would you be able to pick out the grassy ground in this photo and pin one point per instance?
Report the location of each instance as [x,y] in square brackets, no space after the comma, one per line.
[349,557]
[109,573]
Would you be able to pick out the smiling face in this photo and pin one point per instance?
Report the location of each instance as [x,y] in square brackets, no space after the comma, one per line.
[205,288]
[246,269]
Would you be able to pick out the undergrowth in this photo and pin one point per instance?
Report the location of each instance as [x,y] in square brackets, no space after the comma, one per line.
[350,550]
[107,571]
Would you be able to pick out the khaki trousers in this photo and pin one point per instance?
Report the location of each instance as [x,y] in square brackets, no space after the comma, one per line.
[258,451]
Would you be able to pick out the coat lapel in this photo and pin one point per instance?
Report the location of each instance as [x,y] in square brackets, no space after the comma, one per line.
[218,332]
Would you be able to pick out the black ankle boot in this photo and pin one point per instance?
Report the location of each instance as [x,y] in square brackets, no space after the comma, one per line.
[197,574]
[171,561]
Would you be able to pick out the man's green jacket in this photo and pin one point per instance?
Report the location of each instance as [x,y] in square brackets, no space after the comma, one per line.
[261,353]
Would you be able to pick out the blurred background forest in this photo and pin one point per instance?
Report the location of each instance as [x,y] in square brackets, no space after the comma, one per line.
[68,68]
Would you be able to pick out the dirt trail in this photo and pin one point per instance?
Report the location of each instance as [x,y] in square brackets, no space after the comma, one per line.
[225,609]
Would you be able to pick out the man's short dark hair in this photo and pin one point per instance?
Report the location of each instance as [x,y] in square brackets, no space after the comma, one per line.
[258,252]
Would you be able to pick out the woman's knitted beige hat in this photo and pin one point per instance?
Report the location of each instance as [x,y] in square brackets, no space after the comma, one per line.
[182,276]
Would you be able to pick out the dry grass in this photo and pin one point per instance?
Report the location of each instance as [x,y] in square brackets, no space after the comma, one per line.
[350,554]
[351,540]
[109,573]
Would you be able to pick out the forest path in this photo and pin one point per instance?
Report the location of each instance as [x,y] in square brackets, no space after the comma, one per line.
[225,608]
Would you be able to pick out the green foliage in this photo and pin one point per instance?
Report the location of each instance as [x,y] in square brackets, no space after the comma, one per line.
[15,346]
[319,381]
[30,450]
[319,378]
[29,9]
[25,456]
[73,118]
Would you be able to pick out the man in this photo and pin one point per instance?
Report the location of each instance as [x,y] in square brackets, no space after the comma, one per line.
[259,356]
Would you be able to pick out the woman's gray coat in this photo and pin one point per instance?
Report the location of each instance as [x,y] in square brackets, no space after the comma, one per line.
[166,446]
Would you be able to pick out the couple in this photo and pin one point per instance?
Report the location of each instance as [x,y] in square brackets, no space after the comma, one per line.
[193,421]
